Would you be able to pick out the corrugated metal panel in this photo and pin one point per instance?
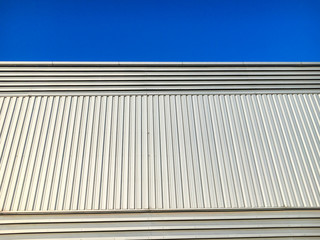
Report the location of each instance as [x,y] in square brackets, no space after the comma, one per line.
[174,225]
[84,77]
[159,152]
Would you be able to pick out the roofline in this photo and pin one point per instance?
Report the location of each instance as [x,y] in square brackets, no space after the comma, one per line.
[109,64]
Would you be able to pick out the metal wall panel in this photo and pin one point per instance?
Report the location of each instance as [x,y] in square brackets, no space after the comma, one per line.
[164,225]
[159,152]
[95,77]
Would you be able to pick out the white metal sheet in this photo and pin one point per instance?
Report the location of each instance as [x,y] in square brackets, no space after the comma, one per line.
[159,152]
[85,77]
[168,225]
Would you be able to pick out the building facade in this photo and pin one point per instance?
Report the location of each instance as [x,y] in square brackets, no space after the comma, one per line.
[99,150]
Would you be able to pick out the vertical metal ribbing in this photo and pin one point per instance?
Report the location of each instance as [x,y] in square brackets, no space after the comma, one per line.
[160,169]
[246,149]
[86,154]
[314,123]
[67,201]
[132,159]
[213,100]
[159,152]
[60,154]
[93,154]
[118,156]
[27,200]
[125,154]
[300,151]
[216,187]
[12,186]
[272,189]
[138,164]
[7,169]
[191,170]
[40,161]
[291,149]
[309,142]
[62,179]
[7,135]
[304,148]
[106,154]
[231,168]
[201,152]
[20,177]
[175,151]
[194,154]
[204,116]
[151,155]
[112,155]
[247,180]
[281,142]
[97,178]
[79,157]
[236,171]
[182,153]
[281,184]
[144,154]
[170,157]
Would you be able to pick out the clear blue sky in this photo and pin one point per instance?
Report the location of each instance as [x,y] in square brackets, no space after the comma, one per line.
[176,30]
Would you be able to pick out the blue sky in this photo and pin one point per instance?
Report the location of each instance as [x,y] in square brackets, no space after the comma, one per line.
[198,30]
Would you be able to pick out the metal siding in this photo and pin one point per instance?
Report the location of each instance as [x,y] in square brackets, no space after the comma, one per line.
[49,78]
[165,225]
[159,152]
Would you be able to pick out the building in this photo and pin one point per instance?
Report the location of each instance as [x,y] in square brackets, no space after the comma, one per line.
[92,150]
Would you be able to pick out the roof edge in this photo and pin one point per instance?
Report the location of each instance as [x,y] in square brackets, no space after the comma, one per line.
[181,64]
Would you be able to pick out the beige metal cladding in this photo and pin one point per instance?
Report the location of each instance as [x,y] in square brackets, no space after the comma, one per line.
[48,78]
[249,225]
[159,152]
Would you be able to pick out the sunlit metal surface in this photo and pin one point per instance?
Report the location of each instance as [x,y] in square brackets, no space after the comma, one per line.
[93,78]
[159,152]
[169,225]
[115,150]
